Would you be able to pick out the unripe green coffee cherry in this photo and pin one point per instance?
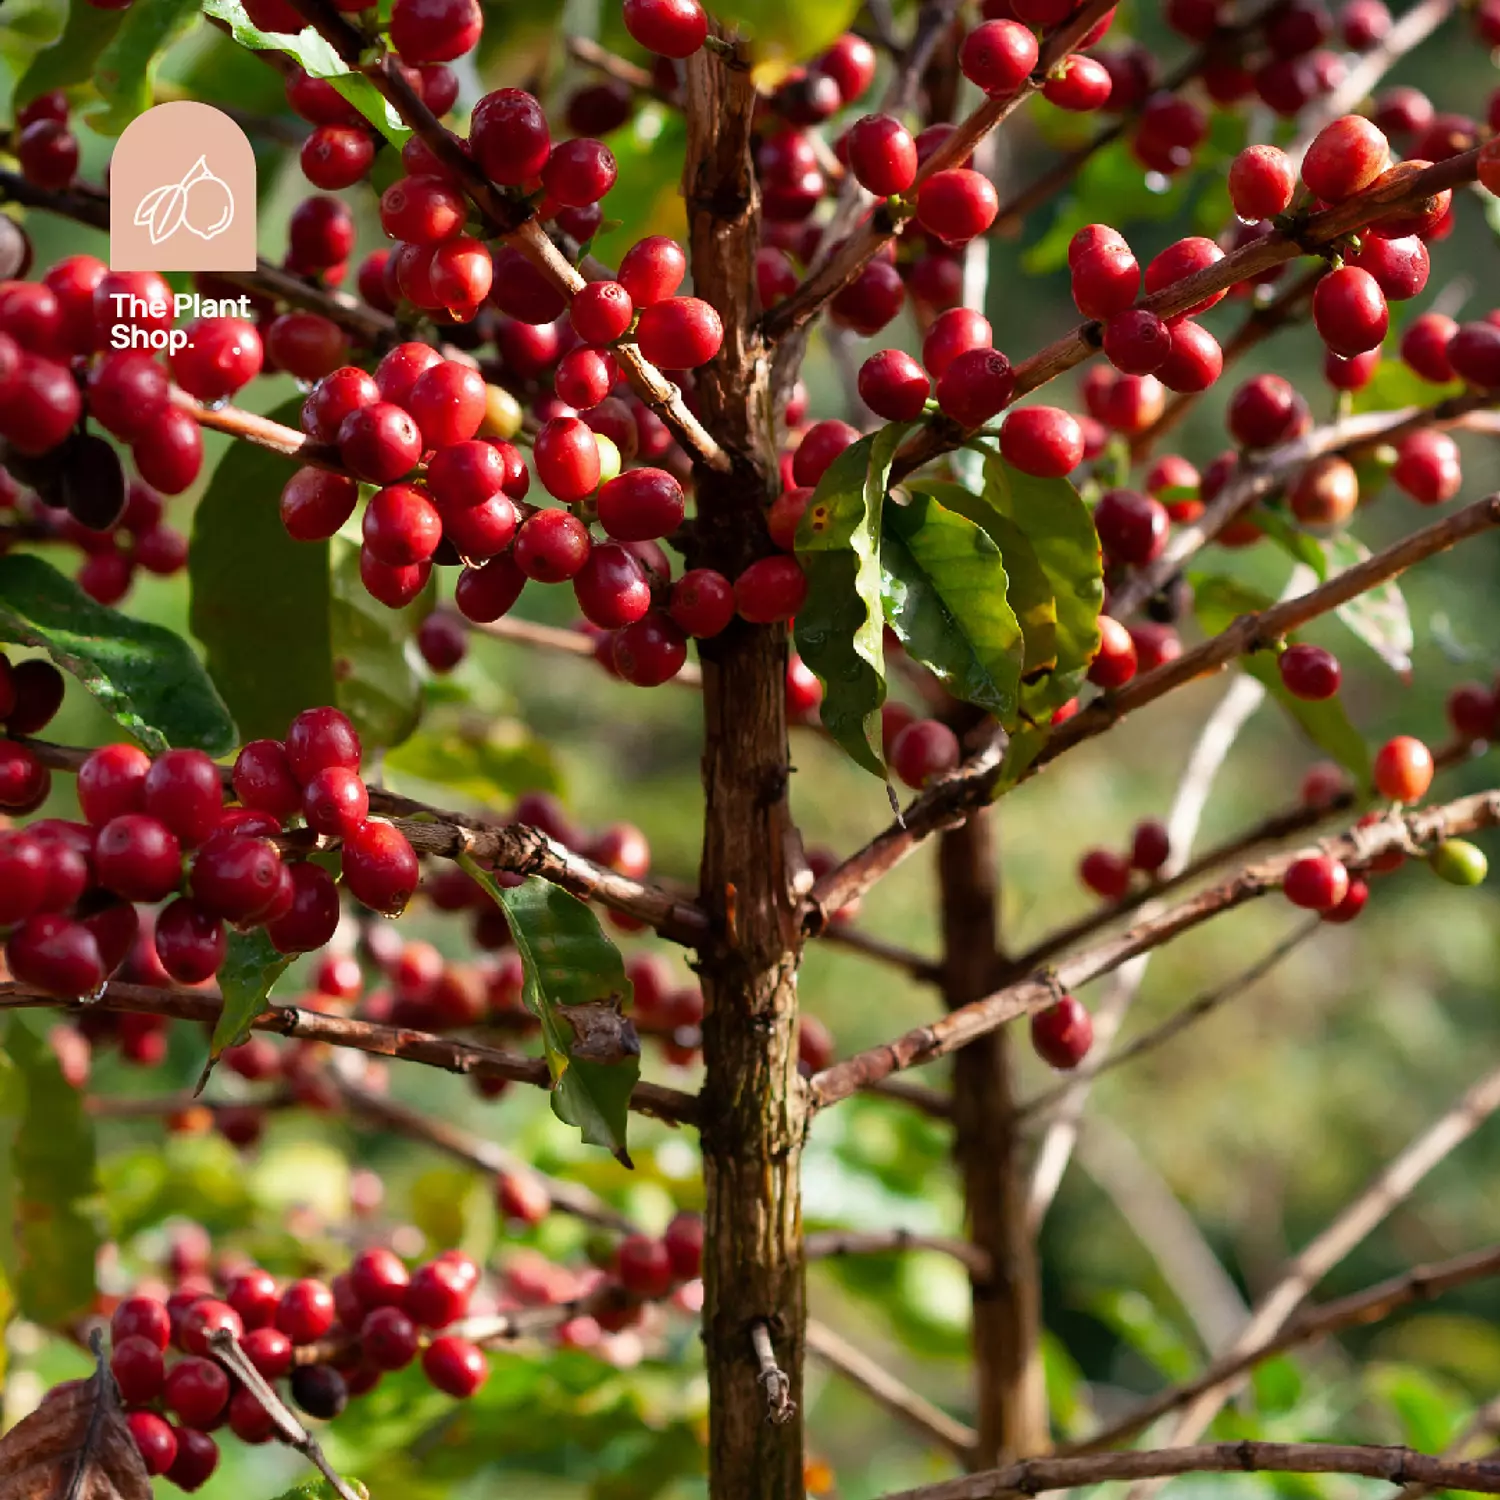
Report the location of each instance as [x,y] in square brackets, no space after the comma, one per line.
[1458,862]
[502,414]
[609,458]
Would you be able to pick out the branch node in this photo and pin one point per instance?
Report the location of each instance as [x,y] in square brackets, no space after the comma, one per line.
[780,1408]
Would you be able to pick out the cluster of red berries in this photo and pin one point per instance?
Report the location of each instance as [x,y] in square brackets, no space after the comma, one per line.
[44,146]
[158,831]
[333,1341]
[1109,874]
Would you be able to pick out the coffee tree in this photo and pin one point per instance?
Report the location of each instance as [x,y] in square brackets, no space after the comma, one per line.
[530,387]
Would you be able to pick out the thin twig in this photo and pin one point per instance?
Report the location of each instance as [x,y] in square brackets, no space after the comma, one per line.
[401,1042]
[1033,1475]
[1359,1309]
[587,51]
[821,1244]
[1357,847]
[900,1400]
[567,1197]
[932,1102]
[1195,1010]
[1392,1185]
[842,935]
[568,643]
[951,799]
[226,1348]
[1485,1423]
[780,1408]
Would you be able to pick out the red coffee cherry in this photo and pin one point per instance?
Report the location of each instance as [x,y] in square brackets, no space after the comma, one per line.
[154,1440]
[486,593]
[305,1311]
[1195,361]
[1474,351]
[644,1266]
[684,1241]
[1105,873]
[1263,411]
[439,1293]
[190,942]
[649,652]
[141,1317]
[1115,662]
[1427,467]
[670,28]
[702,602]
[197,1458]
[1062,1033]
[601,312]
[956,205]
[924,750]
[579,172]
[315,504]
[236,877]
[58,956]
[1326,492]
[401,525]
[882,155]
[308,922]
[1137,341]
[388,1339]
[1078,84]
[1403,769]
[1316,882]
[1150,846]
[894,386]
[1106,279]
[1400,266]
[952,333]
[1424,346]
[380,867]
[138,1368]
[379,442]
[318,738]
[168,452]
[137,857]
[1044,441]
[679,333]
[551,546]
[455,1366]
[448,403]
[1309,672]
[976,386]
[112,781]
[1177,262]
[998,56]
[197,1390]
[1345,158]
[1471,711]
[1262,181]
[429,31]
[611,587]
[652,270]
[770,590]
[379,1277]
[263,779]
[1132,527]
[221,355]
[820,445]
[1349,311]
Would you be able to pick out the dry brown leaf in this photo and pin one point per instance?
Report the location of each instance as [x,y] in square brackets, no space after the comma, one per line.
[601,1033]
[74,1446]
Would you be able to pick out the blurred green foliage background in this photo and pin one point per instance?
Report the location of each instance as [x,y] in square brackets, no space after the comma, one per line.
[1261,1122]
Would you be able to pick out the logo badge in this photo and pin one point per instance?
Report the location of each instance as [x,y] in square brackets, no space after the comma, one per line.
[182,192]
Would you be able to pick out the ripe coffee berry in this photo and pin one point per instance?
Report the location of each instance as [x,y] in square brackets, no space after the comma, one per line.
[644,1266]
[305,1312]
[976,386]
[112,781]
[1345,157]
[190,941]
[601,312]
[649,652]
[269,1350]
[1179,261]
[611,587]
[447,402]
[438,1293]
[335,802]
[337,156]
[1114,664]
[320,1391]
[566,455]
[401,525]
[1403,769]
[430,31]
[579,172]
[1078,84]
[882,155]
[652,270]
[684,1241]
[1062,1033]
[1150,846]
[1105,873]
[1195,360]
[1400,266]
[185,791]
[1263,411]
[1349,311]
[221,355]
[702,602]
[141,1317]
[379,442]
[318,738]
[236,877]
[1261,182]
[197,1458]
[1427,467]
[923,750]
[998,56]
[1309,672]
[455,1366]
[380,867]
[670,28]
[1474,353]
[154,1440]
[137,857]
[263,779]
[197,1390]
[1105,280]
[894,386]
[253,1296]
[956,205]
[551,546]
[138,1368]
[679,333]
[1137,341]
[1132,527]
[641,505]
[1317,882]
[1471,711]
[770,590]
[1042,440]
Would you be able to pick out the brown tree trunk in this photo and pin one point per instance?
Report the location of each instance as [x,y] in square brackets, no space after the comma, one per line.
[754,1111]
[1010,1396]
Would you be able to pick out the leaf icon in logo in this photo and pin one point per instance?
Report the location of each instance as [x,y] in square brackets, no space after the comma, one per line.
[165,210]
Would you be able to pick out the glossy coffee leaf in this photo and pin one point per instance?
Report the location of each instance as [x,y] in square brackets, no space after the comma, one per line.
[146,678]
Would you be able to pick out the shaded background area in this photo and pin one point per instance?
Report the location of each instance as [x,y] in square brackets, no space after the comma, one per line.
[1261,1122]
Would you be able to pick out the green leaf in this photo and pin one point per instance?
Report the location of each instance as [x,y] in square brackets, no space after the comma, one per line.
[72,58]
[1220,601]
[125,71]
[248,975]
[260,602]
[491,764]
[1395,384]
[648,152]
[568,961]
[1379,616]
[321,1489]
[1027,589]
[318,58]
[1060,528]
[1025,745]
[376,684]
[1299,545]
[146,678]
[49,1220]
[840,626]
[784,30]
[944,590]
